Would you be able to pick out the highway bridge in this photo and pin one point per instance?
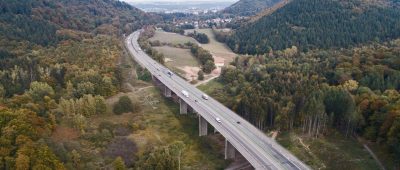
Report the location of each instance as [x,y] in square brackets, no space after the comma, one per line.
[260,151]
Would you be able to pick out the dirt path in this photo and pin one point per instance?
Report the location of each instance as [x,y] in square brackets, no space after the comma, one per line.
[374,156]
[133,89]
[304,145]
[363,142]
[207,80]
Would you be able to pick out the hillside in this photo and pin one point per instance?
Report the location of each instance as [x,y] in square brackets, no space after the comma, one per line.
[40,21]
[249,7]
[58,63]
[319,24]
[269,11]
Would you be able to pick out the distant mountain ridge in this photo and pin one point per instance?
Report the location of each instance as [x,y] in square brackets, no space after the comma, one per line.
[310,24]
[249,7]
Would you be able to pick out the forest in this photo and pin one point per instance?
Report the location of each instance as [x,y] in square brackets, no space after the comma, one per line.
[57,66]
[249,7]
[352,91]
[314,24]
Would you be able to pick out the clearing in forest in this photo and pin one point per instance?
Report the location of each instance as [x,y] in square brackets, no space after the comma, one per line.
[173,38]
[181,61]
[220,51]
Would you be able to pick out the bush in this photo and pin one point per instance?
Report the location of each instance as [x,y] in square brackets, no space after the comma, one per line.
[122,130]
[193,82]
[200,75]
[123,105]
[106,125]
[209,66]
[121,147]
[144,75]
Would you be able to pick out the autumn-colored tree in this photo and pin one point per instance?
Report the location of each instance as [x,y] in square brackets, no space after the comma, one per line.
[76,159]
[39,90]
[119,164]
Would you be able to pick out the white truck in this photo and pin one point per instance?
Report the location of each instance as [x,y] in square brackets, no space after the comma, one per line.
[185,93]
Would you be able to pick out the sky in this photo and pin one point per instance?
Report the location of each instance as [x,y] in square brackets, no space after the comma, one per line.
[179,0]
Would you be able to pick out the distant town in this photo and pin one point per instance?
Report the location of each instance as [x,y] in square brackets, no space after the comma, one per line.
[195,8]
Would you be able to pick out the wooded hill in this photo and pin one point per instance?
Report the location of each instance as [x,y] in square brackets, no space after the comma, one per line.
[311,24]
[58,61]
[249,7]
[43,21]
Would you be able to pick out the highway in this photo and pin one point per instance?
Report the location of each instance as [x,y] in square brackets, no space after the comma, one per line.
[261,151]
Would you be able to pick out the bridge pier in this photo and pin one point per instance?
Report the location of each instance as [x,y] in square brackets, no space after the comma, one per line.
[167,92]
[183,107]
[157,82]
[203,126]
[229,150]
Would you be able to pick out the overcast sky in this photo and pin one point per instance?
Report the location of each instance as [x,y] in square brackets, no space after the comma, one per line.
[180,0]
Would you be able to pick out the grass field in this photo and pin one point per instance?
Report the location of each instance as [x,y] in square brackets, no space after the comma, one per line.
[180,57]
[180,61]
[173,38]
[330,152]
[211,87]
[216,48]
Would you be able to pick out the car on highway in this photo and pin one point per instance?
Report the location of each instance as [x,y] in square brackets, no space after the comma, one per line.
[204,96]
[170,74]
[185,93]
[218,119]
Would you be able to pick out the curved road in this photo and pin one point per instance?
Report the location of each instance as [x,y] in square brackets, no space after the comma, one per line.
[261,151]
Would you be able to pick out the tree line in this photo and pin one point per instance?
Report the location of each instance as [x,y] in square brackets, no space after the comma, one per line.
[200,37]
[205,58]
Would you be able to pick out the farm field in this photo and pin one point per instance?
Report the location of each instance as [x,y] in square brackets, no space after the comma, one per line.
[173,38]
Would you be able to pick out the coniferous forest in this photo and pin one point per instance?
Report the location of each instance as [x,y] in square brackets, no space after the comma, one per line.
[313,24]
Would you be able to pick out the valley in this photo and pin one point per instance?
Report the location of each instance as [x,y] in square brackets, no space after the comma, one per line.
[246,84]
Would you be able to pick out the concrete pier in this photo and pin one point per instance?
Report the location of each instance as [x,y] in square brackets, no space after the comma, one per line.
[183,107]
[229,150]
[203,126]
[167,92]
